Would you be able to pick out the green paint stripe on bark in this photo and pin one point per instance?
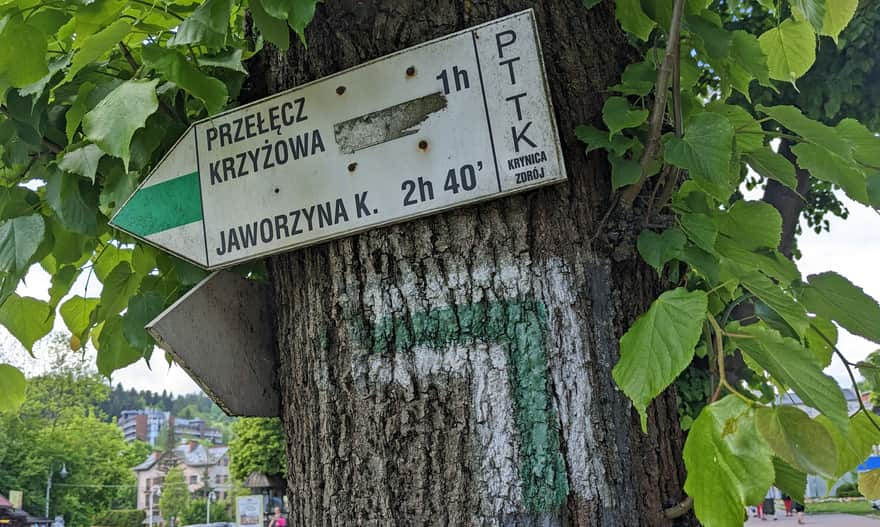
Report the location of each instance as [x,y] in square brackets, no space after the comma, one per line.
[522,325]
[163,206]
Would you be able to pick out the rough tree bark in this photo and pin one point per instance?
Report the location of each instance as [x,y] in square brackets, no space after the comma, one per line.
[456,369]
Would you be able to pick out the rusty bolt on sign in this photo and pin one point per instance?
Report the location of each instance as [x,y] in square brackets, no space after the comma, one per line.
[340,90]
[352,167]
[410,71]
[423,145]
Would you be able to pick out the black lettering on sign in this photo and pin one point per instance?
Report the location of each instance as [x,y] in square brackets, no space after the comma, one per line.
[360,203]
[211,136]
[521,136]
[515,99]
[503,39]
[509,64]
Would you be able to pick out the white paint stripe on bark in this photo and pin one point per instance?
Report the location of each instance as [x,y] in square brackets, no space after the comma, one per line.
[485,368]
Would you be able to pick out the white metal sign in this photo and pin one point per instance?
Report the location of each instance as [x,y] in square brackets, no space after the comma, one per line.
[460,119]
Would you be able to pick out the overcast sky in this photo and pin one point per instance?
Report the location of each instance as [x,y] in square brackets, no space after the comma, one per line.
[851,249]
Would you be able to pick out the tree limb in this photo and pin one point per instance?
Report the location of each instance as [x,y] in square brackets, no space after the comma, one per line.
[658,113]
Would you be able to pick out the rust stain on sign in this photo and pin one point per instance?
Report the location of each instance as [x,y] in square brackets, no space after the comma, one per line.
[387,124]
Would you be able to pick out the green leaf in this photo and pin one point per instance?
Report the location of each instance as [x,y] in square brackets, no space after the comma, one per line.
[619,114]
[818,133]
[633,19]
[790,50]
[728,465]
[596,139]
[753,224]
[207,26]
[20,238]
[82,161]
[797,439]
[747,59]
[832,296]
[705,151]
[74,209]
[141,309]
[856,445]
[624,171]
[869,484]
[114,120]
[791,481]
[274,30]
[93,47]
[78,109]
[119,286]
[637,79]
[174,67]
[838,13]
[865,145]
[769,262]
[23,51]
[819,330]
[229,59]
[114,351]
[28,319]
[771,165]
[589,4]
[793,365]
[657,249]
[301,13]
[749,134]
[716,39]
[62,281]
[659,346]
[77,313]
[701,229]
[813,11]
[12,388]
[774,297]
[828,166]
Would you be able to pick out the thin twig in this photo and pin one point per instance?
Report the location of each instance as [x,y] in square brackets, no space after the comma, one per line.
[658,113]
[128,57]
[852,377]
[598,231]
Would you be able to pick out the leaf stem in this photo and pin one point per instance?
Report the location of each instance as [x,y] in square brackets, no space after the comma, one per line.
[852,377]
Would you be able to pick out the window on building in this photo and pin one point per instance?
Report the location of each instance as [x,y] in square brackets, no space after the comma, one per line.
[193,480]
[218,479]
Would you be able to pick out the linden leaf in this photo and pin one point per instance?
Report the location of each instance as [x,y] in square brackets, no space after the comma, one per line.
[173,66]
[793,365]
[28,319]
[705,151]
[797,439]
[838,14]
[771,165]
[619,114]
[113,122]
[729,466]
[12,388]
[207,26]
[659,346]
[790,49]
[832,296]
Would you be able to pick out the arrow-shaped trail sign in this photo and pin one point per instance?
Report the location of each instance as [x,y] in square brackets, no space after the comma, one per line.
[457,120]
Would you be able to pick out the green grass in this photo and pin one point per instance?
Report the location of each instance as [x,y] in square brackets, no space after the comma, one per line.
[847,507]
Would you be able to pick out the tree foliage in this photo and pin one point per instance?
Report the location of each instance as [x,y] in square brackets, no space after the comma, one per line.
[257,446]
[94,92]
[174,501]
[60,423]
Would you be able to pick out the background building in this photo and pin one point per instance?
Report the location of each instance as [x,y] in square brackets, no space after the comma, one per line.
[148,424]
[205,469]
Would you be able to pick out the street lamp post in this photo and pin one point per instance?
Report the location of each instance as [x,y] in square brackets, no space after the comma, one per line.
[155,491]
[211,497]
[63,475]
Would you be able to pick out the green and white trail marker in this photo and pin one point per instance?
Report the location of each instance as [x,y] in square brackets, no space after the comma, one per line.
[457,120]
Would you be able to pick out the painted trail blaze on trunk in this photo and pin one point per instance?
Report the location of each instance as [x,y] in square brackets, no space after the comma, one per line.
[519,330]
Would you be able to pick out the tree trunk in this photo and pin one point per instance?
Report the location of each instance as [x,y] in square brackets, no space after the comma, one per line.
[457,369]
